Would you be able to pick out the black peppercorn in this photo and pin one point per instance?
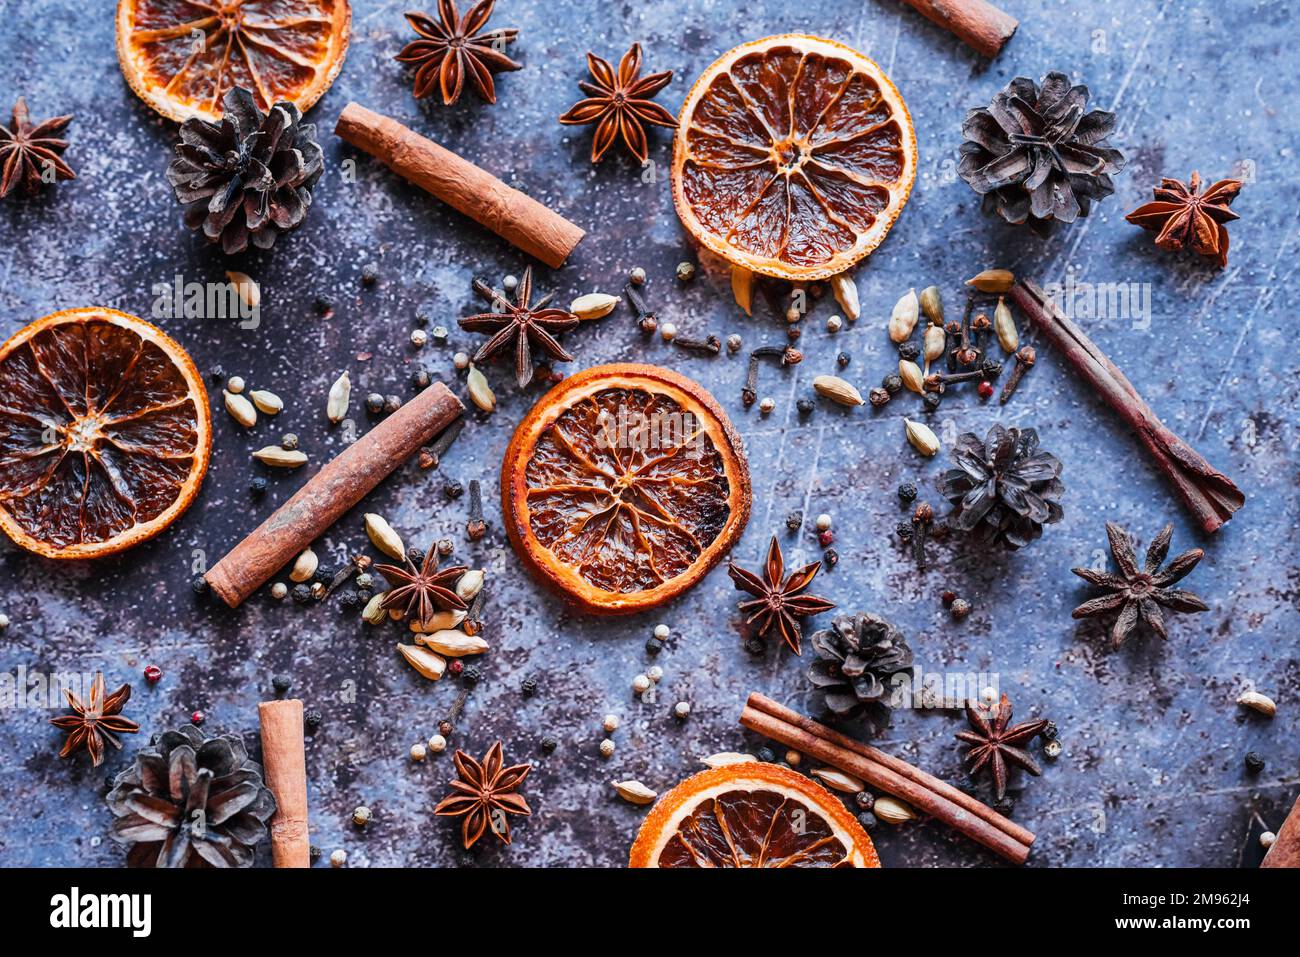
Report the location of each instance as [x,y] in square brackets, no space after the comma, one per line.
[907,492]
[931,401]
[323,305]
[281,683]
[766,755]
[904,531]
[842,359]
[653,646]
[1049,731]
[217,373]
[1004,806]
[878,397]
[369,273]
[301,594]
[257,486]
[351,599]
[415,556]
[867,820]
[529,686]
[312,719]
[453,490]
[199,584]
[793,521]
[471,676]
[1254,762]
[314,853]
[892,383]
[445,728]
[374,403]
[420,379]
[805,405]
[421,318]
[831,557]
[908,350]
[392,403]
[864,800]
[755,646]
[549,744]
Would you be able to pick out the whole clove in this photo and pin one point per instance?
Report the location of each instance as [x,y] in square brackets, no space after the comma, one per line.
[476,527]
[645,317]
[710,344]
[473,622]
[1025,357]
[431,455]
[922,518]
[749,391]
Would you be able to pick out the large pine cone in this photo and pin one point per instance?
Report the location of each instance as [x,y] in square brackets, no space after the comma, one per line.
[1004,486]
[191,801]
[1034,154]
[249,176]
[859,654]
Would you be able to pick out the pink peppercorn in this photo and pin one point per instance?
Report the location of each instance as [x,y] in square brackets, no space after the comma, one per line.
[152,674]
[825,538]
[198,717]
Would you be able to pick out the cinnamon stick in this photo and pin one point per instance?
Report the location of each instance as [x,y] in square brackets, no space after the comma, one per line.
[886,779]
[1208,494]
[978,24]
[329,493]
[286,776]
[514,216]
[1285,851]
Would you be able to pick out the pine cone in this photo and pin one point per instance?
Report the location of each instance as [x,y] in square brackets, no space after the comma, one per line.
[191,801]
[1003,486]
[1035,155]
[859,653]
[249,176]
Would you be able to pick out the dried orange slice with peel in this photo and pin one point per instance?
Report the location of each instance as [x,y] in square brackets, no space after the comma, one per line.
[105,433]
[623,486]
[793,157]
[182,56]
[751,815]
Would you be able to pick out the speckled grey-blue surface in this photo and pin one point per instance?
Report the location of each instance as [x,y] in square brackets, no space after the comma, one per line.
[1152,771]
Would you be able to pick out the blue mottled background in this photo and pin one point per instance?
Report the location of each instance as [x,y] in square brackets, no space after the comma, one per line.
[1152,772]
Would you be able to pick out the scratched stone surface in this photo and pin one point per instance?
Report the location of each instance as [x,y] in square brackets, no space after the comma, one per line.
[1152,771]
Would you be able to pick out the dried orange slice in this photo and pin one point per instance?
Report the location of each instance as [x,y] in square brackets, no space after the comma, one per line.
[104,433]
[623,486]
[793,157]
[181,56]
[751,815]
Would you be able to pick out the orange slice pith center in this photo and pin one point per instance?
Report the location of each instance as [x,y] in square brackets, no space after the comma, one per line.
[627,489]
[98,432]
[757,828]
[792,155]
[195,51]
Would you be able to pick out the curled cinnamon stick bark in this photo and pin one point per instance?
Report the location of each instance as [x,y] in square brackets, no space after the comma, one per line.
[286,775]
[980,25]
[512,215]
[1209,494]
[329,493]
[1285,851]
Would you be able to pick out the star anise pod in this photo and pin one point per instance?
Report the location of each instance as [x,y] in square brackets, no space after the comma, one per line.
[620,103]
[520,327]
[1184,217]
[27,150]
[995,745]
[420,591]
[95,721]
[452,47]
[779,603]
[484,794]
[1136,594]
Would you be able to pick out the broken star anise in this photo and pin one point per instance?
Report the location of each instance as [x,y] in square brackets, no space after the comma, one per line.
[1136,595]
[28,151]
[1184,217]
[779,602]
[95,721]
[995,745]
[418,592]
[620,103]
[483,794]
[520,327]
[451,47]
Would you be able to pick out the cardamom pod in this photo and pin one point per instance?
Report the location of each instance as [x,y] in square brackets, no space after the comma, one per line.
[922,437]
[372,613]
[423,660]
[267,402]
[304,566]
[240,409]
[594,305]
[910,373]
[1004,324]
[452,643]
[724,758]
[838,780]
[935,340]
[892,811]
[280,458]
[903,319]
[993,280]
[932,305]
[384,538]
[634,792]
[336,406]
[837,390]
[845,291]
[469,584]
[480,392]
[742,288]
[1258,702]
[438,621]
[246,288]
